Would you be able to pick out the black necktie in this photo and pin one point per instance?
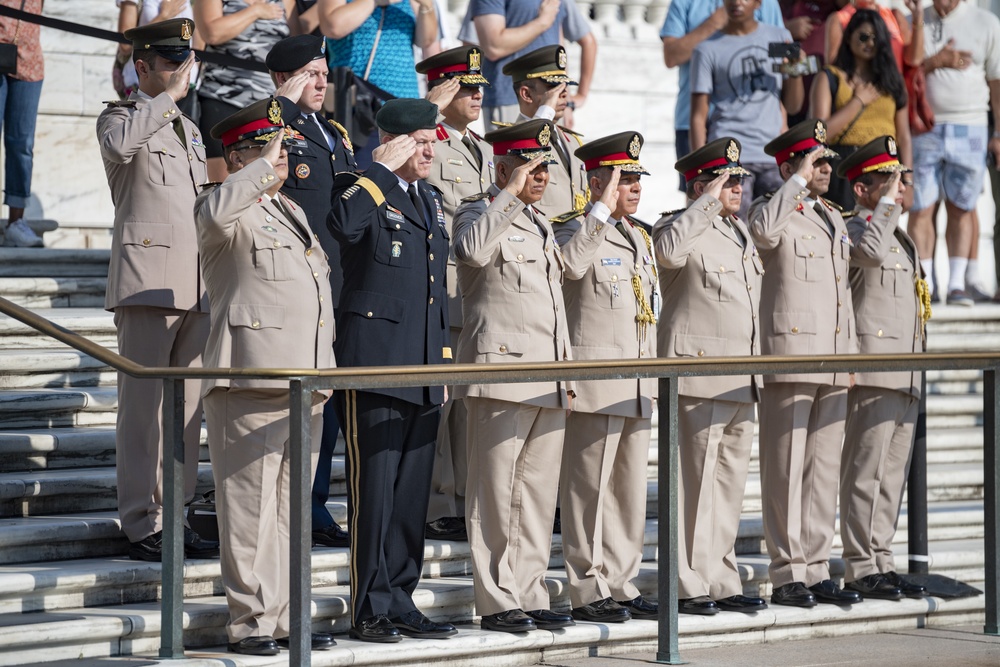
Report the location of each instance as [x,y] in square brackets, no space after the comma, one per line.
[179,130]
[473,150]
[415,200]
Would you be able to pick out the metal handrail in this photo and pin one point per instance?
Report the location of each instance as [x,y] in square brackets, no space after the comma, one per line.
[304,381]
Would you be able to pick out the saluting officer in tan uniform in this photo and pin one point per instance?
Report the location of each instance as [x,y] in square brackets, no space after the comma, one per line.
[610,283]
[463,167]
[510,273]
[154,157]
[540,82]
[711,275]
[269,286]
[889,309]
[805,309]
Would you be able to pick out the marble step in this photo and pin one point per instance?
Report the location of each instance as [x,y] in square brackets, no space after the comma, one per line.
[59,292]
[46,408]
[52,368]
[95,324]
[53,263]
[132,629]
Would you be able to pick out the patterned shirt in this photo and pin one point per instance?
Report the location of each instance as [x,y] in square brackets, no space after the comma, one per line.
[30,62]
[240,87]
[392,69]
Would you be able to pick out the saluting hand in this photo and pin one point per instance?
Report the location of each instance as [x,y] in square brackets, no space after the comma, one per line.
[272,149]
[180,81]
[394,154]
[293,86]
[610,195]
[716,185]
[551,98]
[519,177]
[443,94]
[890,188]
[807,167]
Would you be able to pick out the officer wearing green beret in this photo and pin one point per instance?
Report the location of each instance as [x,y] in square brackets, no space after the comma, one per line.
[891,306]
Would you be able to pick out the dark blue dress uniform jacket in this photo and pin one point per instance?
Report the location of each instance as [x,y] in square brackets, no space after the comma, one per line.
[311,169]
[394,304]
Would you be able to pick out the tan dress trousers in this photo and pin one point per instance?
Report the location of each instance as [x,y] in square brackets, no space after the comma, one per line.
[451,458]
[514,457]
[876,459]
[248,435]
[154,337]
[603,499]
[801,433]
[715,441]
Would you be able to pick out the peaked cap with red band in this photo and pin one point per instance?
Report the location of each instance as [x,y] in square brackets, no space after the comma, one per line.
[525,140]
[463,63]
[618,150]
[257,122]
[879,155]
[715,158]
[805,137]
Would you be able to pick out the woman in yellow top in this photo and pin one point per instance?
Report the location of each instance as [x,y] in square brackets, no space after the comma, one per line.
[862,96]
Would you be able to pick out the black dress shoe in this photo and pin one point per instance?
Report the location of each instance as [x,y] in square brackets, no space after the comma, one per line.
[546,619]
[794,594]
[320,641]
[910,589]
[701,605]
[415,624]
[640,607]
[874,586]
[331,536]
[602,611]
[196,546]
[255,646]
[741,603]
[377,629]
[450,528]
[512,620]
[830,593]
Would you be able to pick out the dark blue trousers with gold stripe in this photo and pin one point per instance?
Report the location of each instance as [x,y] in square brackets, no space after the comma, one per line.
[390,457]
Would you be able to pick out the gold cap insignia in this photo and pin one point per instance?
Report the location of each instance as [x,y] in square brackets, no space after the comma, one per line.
[561,57]
[274,112]
[544,136]
[634,146]
[890,146]
[475,60]
[733,152]
[186,30]
[820,132]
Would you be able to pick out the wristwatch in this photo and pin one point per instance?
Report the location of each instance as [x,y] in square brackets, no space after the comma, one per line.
[571,105]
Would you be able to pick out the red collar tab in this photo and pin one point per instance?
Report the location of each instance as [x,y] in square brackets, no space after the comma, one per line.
[442,133]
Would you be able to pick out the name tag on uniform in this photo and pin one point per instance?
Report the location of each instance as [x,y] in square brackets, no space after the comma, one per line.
[393,214]
[516,239]
[611,261]
[457,163]
[808,237]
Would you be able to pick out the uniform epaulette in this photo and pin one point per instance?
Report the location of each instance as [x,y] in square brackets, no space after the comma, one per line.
[500,123]
[120,103]
[207,186]
[639,223]
[847,215]
[667,214]
[566,217]
[343,132]
[476,197]
[832,204]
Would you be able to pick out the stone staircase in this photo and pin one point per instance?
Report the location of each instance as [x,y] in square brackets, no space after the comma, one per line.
[67,591]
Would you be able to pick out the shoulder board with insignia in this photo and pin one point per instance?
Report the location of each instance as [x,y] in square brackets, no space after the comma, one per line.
[500,123]
[476,197]
[343,131]
[639,223]
[120,103]
[834,204]
[667,214]
[208,186]
[849,214]
[566,217]
[442,134]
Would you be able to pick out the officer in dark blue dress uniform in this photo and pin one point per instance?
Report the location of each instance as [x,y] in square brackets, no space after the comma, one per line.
[393,310]
[298,65]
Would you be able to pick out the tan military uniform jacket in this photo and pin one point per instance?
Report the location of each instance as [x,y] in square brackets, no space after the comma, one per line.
[710,278]
[567,189]
[510,273]
[268,280]
[883,282]
[455,174]
[805,304]
[154,176]
[601,309]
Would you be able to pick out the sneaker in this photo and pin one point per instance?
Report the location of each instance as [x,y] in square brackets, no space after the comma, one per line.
[957,297]
[976,293]
[20,235]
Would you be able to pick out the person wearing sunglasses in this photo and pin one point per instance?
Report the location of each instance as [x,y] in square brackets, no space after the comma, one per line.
[861,97]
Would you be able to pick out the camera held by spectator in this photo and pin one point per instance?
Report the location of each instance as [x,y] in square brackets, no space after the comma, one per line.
[792,63]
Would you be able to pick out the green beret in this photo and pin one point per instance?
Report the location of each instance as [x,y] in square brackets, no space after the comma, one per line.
[405,115]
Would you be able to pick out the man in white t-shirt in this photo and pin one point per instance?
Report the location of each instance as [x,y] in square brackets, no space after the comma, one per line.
[963,75]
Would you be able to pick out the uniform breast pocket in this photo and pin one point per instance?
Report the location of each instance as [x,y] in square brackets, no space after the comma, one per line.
[396,245]
[611,285]
[811,257]
[896,277]
[273,255]
[720,276]
[165,167]
[517,265]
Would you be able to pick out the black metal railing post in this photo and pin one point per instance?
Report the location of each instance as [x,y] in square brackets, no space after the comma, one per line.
[991,502]
[300,526]
[667,486]
[172,567]
[916,492]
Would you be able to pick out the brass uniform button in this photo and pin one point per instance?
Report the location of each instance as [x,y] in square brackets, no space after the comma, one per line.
[321,298]
[321,323]
[880,333]
[315,274]
[614,278]
[369,313]
[432,278]
[309,252]
[812,254]
[146,242]
[397,225]
[701,353]
[432,257]
[255,324]
[838,329]
[431,300]
[795,329]
[277,244]
[503,349]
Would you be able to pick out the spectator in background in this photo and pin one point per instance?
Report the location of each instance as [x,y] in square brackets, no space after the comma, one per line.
[243,29]
[907,44]
[19,94]
[735,93]
[952,156]
[133,13]
[688,24]
[508,29]
[806,20]
[862,96]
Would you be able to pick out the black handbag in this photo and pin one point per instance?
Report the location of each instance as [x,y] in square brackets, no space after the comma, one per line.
[8,52]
